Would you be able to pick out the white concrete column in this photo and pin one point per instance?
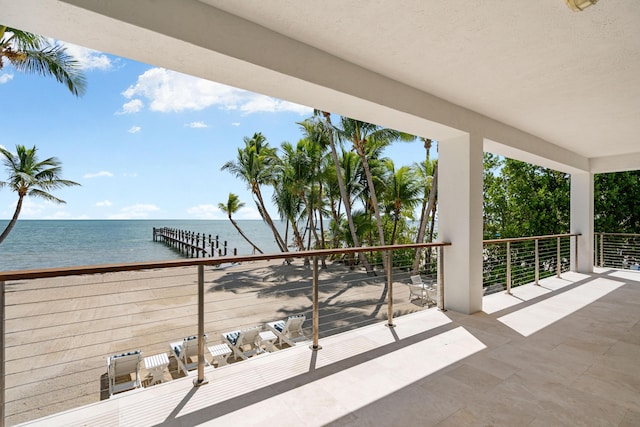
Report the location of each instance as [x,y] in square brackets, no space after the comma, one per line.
[460,221]
[582,220]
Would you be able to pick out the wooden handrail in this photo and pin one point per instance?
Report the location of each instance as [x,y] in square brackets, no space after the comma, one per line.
[137,266]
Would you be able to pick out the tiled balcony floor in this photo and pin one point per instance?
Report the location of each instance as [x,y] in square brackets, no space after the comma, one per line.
[564,353]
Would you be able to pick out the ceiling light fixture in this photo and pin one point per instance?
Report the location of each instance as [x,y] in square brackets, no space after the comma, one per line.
[580,5]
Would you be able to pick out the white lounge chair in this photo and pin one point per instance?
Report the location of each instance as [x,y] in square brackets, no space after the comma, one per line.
[425,292]
[244,343]
[186,353]
[289,331]
[124,365]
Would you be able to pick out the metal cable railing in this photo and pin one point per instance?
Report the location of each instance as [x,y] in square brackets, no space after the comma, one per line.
[60,325]
[617,250]
[513,262]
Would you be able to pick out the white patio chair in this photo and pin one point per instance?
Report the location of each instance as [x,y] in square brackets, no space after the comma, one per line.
[186,353]
[289,331]
[425,292]
[244,343]
[121,367]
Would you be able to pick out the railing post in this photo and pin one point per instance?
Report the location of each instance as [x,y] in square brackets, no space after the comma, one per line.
[441,278]
[2,354]
[201,379]
[316,318]
[537,261]
[601,249]
[576,252]
[509,268]
[390,289]
[558,263]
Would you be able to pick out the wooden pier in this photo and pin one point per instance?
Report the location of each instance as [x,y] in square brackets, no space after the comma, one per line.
[191,244]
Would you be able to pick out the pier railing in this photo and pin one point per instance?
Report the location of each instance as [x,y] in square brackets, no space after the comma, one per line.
[192,244]
[59,325]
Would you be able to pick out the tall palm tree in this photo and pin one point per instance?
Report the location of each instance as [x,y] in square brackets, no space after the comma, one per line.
[255,164]
[361,135]
[343,192]
[232,206]
[32,53]
[30,177]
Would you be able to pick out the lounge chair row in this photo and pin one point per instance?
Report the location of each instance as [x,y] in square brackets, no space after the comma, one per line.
[242,344]
[248,342]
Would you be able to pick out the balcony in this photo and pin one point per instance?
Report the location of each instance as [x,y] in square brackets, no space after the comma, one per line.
[562,352]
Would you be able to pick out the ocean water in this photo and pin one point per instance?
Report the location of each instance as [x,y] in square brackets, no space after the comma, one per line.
[34,244]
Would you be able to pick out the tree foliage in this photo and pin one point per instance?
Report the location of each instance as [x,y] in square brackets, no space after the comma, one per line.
[521,199]
[617,202]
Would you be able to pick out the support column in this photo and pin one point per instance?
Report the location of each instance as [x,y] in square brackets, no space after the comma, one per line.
[582,220]
[460,220]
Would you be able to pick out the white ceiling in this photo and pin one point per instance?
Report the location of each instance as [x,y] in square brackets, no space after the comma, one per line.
[570,79]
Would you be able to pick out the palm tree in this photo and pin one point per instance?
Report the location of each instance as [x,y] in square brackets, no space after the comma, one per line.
[401,194]
[30,177]
[362,135]
[343,192]
[255,164]
[32,53]
[232,206]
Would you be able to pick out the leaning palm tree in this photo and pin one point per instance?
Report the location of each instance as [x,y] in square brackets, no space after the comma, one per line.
[232,206]
[32,53]
[30,177]
[255,164]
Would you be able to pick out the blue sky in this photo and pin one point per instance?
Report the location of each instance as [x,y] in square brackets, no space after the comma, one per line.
[144,142]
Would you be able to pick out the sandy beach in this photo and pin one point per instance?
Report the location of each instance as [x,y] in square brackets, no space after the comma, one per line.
[60,331]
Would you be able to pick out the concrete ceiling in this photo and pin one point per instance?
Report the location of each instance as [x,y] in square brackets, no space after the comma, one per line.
[569,78]
[570,81]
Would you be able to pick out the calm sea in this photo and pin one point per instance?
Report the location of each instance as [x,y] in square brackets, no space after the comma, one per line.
[63,243]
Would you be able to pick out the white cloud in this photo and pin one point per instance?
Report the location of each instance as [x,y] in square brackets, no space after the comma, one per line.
[196,125]
[89,59]
[104,203]
[134,129]
[98,174]
[264,103]
[130,175]
[247,212]
[137,211]
[131,107]
[169,91]
[4,78]
[206,211]
[235,124]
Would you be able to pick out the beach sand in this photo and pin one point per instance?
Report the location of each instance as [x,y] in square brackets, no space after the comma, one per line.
[60,331]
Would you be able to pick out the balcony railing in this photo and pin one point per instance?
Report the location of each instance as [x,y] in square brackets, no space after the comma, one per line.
[514,262]
[59,325]
[617,250]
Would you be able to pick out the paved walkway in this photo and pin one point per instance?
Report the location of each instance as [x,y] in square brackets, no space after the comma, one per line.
[564,353]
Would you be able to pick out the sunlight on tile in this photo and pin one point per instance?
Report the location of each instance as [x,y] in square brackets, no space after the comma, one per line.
[533,318]
[365,383]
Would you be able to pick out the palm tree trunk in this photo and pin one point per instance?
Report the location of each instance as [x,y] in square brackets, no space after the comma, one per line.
[343,195]
[267,218]
[374,199]
[243,235]
[393,233]
[13,221]
[425,217]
